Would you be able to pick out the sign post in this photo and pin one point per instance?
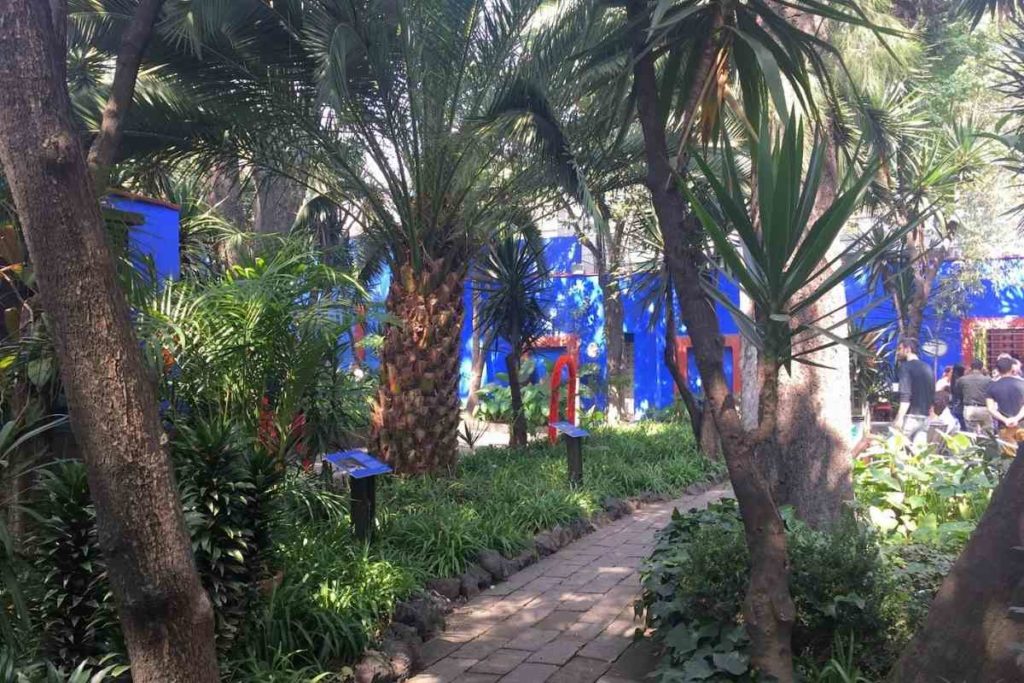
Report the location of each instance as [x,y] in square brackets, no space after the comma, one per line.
[362,470]
[573,437]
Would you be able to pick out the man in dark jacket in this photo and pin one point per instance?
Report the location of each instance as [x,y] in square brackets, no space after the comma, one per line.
[917,390]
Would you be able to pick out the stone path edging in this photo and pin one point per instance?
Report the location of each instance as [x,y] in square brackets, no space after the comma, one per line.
[568,618]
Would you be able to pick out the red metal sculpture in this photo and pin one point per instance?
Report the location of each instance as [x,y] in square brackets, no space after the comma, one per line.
[569,362]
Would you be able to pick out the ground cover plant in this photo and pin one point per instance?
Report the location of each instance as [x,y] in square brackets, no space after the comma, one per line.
[860,590]
[931,493]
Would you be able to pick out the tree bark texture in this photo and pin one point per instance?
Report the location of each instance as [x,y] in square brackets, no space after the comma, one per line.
[970,633]
[769,612]
[615,340]
[278,200]
[416,417]
[122,90]
[225,197]
[813,467]
[481,341]
[517,428]
[165,615]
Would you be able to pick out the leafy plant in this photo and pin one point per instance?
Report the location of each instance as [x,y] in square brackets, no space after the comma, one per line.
[72,602]
[693,586]
[915,493]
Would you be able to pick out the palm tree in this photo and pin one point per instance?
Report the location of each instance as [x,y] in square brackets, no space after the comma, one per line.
[509,281]
[400,110]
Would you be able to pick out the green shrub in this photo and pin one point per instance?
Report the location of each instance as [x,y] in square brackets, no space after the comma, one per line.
[694,583]
[922,495]
[71,600]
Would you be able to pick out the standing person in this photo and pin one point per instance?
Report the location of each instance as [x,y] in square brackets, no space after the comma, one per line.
[957,402]
[917,391]
[1005,400]
[973,391]
[945,382]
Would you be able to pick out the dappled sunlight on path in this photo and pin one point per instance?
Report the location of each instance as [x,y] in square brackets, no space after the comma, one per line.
[567,619]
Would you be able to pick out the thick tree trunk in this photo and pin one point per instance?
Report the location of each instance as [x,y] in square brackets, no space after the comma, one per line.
[517,428]
[768,608]
[165,615]
[702,421]
[615,339]
[278,200]
[811,451]
[971,633]
[416,417]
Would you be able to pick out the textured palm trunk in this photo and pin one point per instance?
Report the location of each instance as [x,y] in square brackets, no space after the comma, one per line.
[416,417]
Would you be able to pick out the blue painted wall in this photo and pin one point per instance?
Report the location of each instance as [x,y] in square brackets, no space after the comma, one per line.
[159,235]
[576,307]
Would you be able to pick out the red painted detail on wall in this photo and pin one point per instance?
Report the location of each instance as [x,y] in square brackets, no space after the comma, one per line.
[732,341]
[567,361]
[969,328]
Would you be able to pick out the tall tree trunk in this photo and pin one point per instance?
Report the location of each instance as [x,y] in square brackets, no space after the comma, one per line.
[225,197]
[165,614]
[769,612]
[702,422]
[481,341]
[517,428]
[278,200]
[971,633]
[615,340]
[811,449]
[416,417]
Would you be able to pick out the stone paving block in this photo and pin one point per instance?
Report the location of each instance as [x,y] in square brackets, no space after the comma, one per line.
[448,669]
[605,647]
[530,673]
[585,630]
[578,602]
[500,662]
[559,621]
[639,659]
[580,670]
[481,647]
[436,648]
[477,678]
[532,639]
[558,651]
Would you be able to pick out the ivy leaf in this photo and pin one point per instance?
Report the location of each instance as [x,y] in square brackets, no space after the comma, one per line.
[681,639]
[732,662]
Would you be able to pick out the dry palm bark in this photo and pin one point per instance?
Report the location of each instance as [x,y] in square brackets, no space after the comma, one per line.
[165,614]
[416,416]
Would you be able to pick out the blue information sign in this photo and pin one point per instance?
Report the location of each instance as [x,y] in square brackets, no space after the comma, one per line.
[569,429]
[357,464]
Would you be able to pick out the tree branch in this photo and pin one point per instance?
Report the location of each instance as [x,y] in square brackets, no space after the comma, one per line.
[122,91]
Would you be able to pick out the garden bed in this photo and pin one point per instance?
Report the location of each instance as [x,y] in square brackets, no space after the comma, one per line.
[324,598]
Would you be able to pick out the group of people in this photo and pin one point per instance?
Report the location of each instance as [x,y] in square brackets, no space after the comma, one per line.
[976,401]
